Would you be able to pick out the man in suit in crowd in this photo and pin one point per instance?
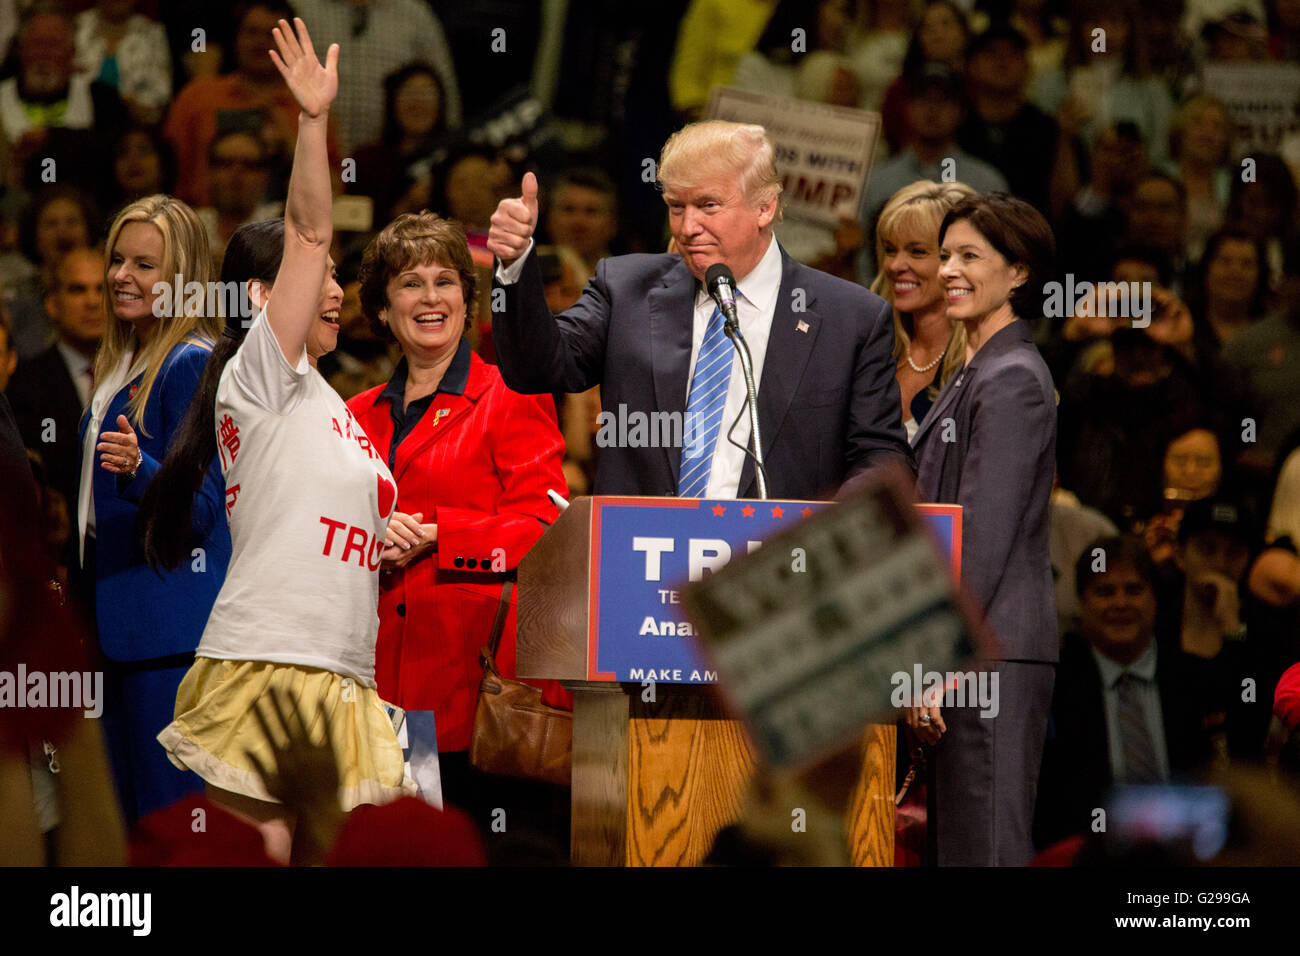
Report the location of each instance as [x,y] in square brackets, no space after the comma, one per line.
[1124,708]
[49,391]
[583,214]
[648,333]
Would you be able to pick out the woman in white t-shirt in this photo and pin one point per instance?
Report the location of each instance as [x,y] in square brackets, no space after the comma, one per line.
[308,501]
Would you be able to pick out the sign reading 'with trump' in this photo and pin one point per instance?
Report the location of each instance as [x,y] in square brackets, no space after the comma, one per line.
[823,153]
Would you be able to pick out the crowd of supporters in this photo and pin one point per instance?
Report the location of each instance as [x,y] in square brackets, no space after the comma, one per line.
[1176,517]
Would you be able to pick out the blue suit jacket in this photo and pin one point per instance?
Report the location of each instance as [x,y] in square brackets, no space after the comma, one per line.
[988,444]
[828,404]
[142,614]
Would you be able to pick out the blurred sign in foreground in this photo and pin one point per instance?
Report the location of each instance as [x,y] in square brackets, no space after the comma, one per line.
[809,632]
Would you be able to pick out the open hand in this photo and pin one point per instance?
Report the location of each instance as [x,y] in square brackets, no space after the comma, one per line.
[1172,322]
[119,451]
[1161,535]
[513,223]
[1218,598]
[313,86]
[305,776]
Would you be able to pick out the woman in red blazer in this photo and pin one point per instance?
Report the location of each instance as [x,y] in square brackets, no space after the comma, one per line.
[473,463]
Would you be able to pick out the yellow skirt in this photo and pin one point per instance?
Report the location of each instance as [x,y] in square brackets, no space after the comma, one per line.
[215,728]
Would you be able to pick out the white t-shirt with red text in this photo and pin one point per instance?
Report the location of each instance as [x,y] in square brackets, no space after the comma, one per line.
[308,501]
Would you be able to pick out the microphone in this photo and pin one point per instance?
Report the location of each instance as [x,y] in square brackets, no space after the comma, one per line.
[722,286]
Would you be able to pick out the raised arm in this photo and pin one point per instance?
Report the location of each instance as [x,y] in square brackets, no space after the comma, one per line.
[308,211]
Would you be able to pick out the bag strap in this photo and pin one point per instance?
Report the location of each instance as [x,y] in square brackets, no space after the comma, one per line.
[917,763]
[499,622]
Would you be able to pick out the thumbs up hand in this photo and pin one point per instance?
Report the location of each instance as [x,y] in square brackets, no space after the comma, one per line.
[513,223]
[119,451]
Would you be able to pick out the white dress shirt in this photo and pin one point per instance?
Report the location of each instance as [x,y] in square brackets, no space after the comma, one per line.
[755,307]
[79,367]
[1111,672]
[755,304]
[113,382]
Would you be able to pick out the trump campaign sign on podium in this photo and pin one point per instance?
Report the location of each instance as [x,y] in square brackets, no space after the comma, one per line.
[644,551]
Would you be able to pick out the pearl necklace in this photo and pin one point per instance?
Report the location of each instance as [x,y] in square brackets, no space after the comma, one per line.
[916,368]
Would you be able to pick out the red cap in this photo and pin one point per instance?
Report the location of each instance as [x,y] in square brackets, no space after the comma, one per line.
[194,831]
[1286,699]
[407,832]
[1063,853]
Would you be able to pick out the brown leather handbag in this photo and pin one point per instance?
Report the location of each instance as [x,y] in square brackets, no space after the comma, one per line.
[515,734]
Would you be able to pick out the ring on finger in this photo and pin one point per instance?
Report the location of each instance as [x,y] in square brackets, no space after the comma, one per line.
[925,718]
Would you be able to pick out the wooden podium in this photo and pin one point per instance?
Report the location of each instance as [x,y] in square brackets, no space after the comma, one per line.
[654,781]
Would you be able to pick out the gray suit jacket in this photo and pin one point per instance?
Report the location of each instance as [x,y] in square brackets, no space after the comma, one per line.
[989,444]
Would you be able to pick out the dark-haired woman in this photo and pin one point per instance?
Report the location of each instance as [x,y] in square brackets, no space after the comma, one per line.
[143,164]
[1231,291]
[772,67]
[941,37]
[308,502]
[473,462]
[397,169]
[59,218]
[988,444]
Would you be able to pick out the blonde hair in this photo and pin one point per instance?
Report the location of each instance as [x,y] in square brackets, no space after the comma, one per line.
[185,253]
[1284,516]
[917,210]
[719,148]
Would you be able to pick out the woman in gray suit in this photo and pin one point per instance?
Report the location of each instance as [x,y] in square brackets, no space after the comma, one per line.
[988,444]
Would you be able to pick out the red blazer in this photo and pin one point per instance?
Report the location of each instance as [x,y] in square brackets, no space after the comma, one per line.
[477,465]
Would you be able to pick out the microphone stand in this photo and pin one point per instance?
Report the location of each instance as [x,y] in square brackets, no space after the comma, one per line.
[751,401]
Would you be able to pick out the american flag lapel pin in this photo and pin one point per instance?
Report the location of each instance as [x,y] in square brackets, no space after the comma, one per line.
[801,325]
[441,414]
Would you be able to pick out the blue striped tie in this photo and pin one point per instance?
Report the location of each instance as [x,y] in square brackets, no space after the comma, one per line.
[704,409]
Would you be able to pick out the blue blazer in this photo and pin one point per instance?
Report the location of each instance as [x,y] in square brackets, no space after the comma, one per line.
[828,403]
[988,444]
[142,614]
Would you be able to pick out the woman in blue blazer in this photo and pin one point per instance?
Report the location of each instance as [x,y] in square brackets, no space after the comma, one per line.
[988,444]
[156,342]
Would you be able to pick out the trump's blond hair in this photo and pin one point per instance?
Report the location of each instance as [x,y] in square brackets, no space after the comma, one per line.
[719,149]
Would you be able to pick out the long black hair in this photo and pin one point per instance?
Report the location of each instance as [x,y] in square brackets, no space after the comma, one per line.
[166,510]
[392,132]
